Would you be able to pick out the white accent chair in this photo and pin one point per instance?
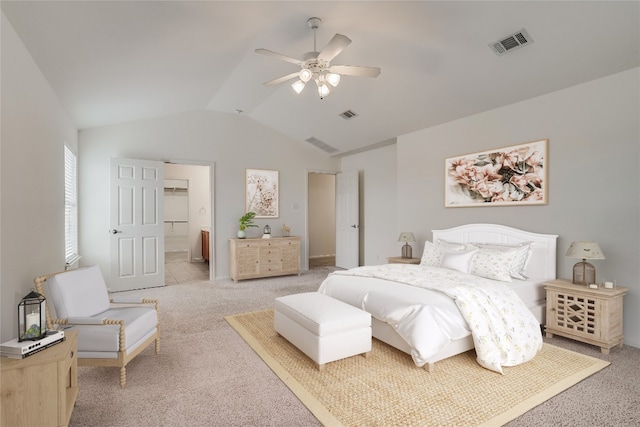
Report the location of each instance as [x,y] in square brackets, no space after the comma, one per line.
[111,332]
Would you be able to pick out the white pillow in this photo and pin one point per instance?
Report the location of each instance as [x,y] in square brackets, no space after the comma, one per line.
[522,257]
[458,260]
[452,246]
[432,255]
[494,263]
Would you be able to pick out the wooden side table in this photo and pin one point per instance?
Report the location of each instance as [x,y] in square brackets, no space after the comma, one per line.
[593,316]
[41,389]
[400,260]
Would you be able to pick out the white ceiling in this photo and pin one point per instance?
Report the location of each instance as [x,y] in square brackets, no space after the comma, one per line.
[117,61]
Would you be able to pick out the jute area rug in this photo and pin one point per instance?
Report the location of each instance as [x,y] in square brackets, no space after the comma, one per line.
[388,389]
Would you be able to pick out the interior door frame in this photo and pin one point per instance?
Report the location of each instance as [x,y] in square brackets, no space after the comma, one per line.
[305,261]
[212,246]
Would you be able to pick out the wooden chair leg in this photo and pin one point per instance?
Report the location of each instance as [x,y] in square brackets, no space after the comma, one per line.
[123,376]
[158,345]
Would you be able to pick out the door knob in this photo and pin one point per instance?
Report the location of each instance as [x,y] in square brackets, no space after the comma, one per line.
[114,231]
[354,226]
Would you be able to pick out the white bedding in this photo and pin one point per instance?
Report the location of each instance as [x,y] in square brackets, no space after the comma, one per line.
[430,306]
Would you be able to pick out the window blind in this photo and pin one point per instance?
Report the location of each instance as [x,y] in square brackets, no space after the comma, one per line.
[70,207]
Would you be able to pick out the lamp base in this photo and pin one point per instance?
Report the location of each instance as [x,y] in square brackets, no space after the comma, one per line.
[407,251]
[584,273]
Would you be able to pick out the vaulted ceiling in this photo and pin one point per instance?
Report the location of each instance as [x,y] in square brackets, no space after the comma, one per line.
[118,61]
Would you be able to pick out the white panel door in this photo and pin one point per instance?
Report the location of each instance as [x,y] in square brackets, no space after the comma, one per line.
[347,220]
[137,224]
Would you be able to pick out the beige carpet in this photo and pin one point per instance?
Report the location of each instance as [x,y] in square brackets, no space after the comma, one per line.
[388,389]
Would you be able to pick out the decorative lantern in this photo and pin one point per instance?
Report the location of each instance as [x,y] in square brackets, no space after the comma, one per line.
[266,233]
[32,317]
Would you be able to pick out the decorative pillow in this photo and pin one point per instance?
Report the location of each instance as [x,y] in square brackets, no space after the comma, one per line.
[494,263]
[458,260]
[523,255]
[432,255]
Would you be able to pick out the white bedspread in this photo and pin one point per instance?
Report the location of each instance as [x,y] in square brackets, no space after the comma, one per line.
[505,333]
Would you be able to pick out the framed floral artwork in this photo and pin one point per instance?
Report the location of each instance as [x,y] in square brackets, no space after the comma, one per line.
[509,176]
[262,193]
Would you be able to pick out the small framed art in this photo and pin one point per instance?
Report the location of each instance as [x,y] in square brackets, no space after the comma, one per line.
[262,193]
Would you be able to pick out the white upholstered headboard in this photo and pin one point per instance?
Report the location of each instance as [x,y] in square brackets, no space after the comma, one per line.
[542,265]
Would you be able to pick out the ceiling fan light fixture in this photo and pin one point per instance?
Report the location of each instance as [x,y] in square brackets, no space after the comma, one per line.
[298,86]
[305,75]
[323,90]
[316,65]
[333,79]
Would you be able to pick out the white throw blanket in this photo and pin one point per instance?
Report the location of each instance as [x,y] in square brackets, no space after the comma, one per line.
[505,332]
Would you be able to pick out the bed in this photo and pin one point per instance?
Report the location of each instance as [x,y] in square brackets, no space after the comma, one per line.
[407,313]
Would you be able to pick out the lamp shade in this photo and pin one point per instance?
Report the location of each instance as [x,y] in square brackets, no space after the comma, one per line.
[333,79]
[298,85]
[406,237]
[323,90]
[584,250]
[305,75]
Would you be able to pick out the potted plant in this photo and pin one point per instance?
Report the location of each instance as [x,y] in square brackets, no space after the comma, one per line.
[246,220]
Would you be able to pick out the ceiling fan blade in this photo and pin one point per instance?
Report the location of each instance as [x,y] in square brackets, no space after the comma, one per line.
[354,70]
[282,79]
[279,56]
[334,47]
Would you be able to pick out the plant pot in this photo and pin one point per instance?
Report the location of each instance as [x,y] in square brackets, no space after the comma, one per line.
[242,234]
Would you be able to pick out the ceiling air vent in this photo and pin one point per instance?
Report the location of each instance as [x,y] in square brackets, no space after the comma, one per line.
[511,42]
[347,115]
[321,145]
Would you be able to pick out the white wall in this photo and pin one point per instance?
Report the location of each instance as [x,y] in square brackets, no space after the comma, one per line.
[594,183]
[34,130]
[199,195]
[379,228]
[232,142]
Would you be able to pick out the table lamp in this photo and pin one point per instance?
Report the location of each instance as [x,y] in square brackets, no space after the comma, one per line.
[406,238]
[583,272]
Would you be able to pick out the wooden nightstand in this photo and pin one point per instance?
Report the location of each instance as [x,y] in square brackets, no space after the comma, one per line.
[41,389]
[593,316]
[400,260]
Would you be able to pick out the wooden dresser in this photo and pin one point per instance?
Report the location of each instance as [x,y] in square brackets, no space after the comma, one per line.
[254,258]
[40,390]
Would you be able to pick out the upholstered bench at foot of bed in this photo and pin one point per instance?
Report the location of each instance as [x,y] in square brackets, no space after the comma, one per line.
[323,328]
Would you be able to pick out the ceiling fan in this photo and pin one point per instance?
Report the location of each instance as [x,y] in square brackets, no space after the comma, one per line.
[317,65]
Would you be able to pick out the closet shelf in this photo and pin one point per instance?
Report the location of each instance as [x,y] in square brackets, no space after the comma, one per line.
[174,189]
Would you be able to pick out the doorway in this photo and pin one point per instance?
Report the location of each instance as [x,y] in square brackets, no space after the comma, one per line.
[187,219]
[321,219]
